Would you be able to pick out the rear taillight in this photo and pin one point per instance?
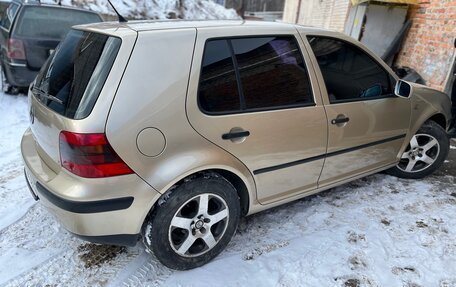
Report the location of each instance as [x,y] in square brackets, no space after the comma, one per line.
[90,155]
[15,49]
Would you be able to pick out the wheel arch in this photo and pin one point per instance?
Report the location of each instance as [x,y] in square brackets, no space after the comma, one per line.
[239,185]
[245,191]
[427,127]
[439,119]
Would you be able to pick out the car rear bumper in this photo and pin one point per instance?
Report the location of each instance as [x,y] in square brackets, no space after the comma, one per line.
[96,206]
[19,75]
[109,210]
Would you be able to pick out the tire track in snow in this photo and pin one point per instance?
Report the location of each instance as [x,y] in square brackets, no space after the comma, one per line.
[144,270]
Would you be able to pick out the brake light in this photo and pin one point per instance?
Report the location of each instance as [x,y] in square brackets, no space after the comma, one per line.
[90,155]
[15,49]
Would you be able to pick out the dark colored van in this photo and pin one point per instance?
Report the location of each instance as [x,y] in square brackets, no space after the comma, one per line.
[29,33]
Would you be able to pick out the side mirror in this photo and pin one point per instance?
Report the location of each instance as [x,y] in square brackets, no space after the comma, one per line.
[403,89]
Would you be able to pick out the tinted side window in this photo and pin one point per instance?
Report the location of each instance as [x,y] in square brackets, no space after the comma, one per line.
[218,90]
[349,73]
[272,72]
[11,12]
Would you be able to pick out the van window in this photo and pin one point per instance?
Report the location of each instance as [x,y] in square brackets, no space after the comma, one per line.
[50,22]
[71,79]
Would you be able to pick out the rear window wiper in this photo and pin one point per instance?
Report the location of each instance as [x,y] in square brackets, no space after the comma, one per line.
[46,95]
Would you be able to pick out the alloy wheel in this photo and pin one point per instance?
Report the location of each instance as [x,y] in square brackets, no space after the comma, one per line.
[420,154]
[198,225]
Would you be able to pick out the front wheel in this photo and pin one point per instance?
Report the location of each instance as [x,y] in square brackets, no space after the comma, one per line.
[425,153]
[194,224]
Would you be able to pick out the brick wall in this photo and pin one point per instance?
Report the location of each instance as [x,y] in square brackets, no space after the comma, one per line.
[429,46]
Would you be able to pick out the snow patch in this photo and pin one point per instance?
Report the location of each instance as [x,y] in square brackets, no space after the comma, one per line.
[14,196]
[147,234]
[16,261]
[10,213]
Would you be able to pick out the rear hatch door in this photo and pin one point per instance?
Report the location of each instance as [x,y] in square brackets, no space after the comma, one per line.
[67,88]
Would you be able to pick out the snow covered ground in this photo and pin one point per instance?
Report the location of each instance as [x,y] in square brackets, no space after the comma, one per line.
[377,231]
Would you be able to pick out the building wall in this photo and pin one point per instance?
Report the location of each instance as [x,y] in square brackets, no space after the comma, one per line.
[329,14]
[429,46]
[256,5]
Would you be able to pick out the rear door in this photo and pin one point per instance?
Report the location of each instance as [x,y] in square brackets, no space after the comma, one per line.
[367,122]
[41,28]
[254,96]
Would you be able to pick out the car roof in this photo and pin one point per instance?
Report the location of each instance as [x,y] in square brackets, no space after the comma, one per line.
[150,25]
[179,24]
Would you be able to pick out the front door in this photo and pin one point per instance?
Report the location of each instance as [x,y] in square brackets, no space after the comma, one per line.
[367,123]
[257,100]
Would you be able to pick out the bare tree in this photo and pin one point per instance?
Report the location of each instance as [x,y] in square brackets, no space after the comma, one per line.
[240,7]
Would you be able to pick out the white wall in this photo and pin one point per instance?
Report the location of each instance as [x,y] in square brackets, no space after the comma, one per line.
[329,14]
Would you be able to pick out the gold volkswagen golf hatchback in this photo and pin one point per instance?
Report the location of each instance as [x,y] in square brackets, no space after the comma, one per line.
[171,131]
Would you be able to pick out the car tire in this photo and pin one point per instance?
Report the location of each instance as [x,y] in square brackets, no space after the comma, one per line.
[425,153]
[6,87]
[193,222]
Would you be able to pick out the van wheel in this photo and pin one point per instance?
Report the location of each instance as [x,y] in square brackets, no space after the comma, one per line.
[194,224]
[425,153]
[6,87]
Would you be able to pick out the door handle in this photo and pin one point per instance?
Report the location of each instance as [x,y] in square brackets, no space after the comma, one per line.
[340,120]
[235,135]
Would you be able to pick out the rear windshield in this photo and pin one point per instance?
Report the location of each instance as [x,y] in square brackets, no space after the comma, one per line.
[50,22]
[71,79]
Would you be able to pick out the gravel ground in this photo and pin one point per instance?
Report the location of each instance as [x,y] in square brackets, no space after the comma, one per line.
[376,231]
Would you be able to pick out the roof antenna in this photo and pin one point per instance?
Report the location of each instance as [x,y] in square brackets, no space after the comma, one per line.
[121,18]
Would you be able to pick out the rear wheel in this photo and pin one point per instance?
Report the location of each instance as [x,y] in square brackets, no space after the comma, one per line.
[425,153]
[6,87]
[194,224]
